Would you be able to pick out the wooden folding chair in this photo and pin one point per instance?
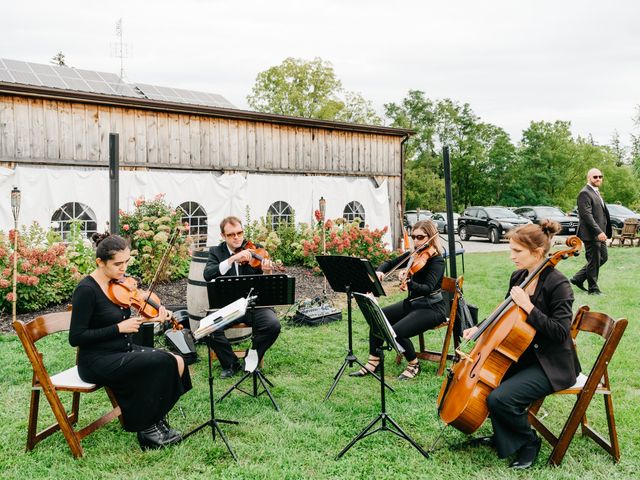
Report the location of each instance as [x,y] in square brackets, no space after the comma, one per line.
[451,295]
[628,232]
[68,380]
[586,386]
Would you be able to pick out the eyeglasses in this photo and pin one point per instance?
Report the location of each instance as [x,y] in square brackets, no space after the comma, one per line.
[418,237]
[234,234]
[598,176]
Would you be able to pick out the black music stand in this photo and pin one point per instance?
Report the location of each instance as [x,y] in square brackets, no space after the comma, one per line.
[382,329]
[213,421]
[270,290]
[350,275]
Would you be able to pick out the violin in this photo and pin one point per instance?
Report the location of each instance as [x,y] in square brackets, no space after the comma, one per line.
[124,292]
[415,261]
[500,341]
[258,255]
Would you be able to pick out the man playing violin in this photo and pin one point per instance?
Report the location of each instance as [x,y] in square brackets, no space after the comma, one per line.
[230,258]
[424,307]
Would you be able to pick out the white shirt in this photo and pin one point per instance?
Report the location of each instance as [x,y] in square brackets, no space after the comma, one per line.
[226,266]
[595,189]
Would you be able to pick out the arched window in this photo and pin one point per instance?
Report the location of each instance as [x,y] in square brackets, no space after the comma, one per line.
[71,212]
[353,210]
[193,213]
[280,212]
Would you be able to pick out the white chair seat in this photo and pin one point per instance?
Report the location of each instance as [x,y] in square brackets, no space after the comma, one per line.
[71,379]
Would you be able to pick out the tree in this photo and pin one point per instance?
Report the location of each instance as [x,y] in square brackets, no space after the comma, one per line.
[308,89]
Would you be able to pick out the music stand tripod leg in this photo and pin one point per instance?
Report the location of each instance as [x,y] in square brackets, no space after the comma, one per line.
[350,358]
[213,421]
[383,417]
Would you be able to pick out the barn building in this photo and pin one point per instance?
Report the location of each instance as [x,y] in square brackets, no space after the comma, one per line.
[206,156]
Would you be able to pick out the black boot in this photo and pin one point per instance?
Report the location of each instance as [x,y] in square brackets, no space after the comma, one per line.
[155,437]
[171,432]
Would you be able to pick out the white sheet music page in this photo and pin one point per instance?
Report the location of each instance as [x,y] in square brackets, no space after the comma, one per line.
[221,318]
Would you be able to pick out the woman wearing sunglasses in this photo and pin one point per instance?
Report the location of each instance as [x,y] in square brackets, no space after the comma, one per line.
[422,310]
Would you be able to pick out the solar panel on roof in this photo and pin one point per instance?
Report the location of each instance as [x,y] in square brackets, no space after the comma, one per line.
[67,78]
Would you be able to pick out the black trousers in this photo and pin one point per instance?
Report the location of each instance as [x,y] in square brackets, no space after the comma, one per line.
[597,255]
[509,406]
[266,328]
[408,320]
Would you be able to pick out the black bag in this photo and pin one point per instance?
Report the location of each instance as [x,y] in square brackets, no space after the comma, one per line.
[466,315]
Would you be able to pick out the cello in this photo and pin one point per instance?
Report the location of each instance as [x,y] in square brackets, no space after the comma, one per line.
[500,341]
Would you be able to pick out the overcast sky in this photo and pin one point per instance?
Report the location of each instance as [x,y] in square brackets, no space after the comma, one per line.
[512,61]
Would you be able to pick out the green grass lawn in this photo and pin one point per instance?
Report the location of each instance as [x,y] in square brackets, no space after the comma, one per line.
[303,439]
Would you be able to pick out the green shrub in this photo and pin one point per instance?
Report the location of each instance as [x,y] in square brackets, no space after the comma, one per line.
[79,250]
[149,228]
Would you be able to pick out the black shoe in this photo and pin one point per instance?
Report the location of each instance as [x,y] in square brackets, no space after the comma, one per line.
[483,442]
[412,370]
[171,432]
[578,284]
[527,455]
[155,437]
[231,371]
[368,368]
[595,292]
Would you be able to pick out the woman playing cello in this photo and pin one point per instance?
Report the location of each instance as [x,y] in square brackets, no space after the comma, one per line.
[424,307]
[549,363]
[146,382]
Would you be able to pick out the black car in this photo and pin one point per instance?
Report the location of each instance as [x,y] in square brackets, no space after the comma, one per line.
[618,214]
[440,219]
[490,222]
[536,214]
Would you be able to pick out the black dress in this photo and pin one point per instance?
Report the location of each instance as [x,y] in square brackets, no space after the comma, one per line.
[145,381]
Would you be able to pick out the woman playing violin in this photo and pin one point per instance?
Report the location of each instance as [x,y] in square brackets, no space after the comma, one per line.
[232,258]
[549,363]
[424,307]
[147,382]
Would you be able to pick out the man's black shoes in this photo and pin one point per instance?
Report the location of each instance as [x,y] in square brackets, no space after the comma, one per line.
[595,292]
[527,454]
[231,371]
[482,442]
[578,284]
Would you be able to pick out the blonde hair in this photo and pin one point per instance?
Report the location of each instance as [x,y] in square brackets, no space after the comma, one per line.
[430,228]
[533,237]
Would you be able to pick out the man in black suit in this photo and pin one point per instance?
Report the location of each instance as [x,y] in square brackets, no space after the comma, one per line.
[594,230]
[227,259]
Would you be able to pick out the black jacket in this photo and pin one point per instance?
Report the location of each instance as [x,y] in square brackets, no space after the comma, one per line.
[425,281]
[593,214]
[551,316]
[219,254]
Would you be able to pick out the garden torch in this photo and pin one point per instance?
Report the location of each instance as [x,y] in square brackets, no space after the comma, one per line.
[15,208]
[323,208]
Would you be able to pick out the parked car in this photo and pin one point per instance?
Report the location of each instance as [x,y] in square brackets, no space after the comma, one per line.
[412,216]
[538,213]
[440,219]
[618,214]
[490,222]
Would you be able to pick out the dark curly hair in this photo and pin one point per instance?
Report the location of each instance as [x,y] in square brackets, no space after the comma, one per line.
[107,245]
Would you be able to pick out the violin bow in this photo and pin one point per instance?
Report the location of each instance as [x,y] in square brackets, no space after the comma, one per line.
[417,250]
[162,266]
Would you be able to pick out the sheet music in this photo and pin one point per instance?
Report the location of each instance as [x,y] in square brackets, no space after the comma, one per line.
[221,318]
[373,313]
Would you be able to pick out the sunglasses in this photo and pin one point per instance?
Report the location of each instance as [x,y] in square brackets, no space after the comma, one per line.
[234,234]
[418,237]
[598,176]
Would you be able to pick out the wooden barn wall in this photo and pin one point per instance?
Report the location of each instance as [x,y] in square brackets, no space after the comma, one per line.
[66,133]
[74,133]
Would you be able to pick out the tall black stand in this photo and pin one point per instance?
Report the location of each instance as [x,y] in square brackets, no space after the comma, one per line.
[269,290]
[349,275]
[376,320]
[213,421]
